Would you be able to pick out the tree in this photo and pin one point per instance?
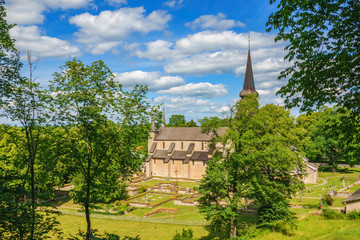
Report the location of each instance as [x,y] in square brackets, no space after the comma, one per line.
[191,123]
[323,40]
[177,120]
[26,104]
[254,161]
[328,142]
[9,57]
[101,121]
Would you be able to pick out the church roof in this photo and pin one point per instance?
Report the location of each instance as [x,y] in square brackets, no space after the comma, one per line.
[184,134]
[249,85]
[353,197]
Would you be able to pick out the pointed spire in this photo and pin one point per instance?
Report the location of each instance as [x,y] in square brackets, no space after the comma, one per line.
[249,85]
[153,127]
[163,123]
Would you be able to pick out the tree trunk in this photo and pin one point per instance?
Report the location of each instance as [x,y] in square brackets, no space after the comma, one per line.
[87,212]
[233,227]
[32,183]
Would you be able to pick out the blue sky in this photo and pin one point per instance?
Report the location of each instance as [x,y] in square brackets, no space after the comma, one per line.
[191,53]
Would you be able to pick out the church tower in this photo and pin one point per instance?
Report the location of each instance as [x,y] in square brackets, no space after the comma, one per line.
[249,85]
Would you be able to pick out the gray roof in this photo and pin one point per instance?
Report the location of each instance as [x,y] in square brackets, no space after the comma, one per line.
[171,148]
[353,197]
[185,134]
[160,154]
[202,156]
[190,148]
[153,147]
[180,155]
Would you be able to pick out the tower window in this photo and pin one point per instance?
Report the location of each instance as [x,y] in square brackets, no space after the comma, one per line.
[202,145]
[163,145]
[182,145]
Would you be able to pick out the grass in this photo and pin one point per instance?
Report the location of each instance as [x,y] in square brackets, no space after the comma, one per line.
[316,227]
[71,224]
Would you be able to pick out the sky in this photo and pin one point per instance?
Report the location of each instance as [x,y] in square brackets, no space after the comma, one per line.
[191,54]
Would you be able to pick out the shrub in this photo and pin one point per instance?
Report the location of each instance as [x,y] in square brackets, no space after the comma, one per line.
[332,214]
[353,215]
[142,189]
[185,235]
[328,199]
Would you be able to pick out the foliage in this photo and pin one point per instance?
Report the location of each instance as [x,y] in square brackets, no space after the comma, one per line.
[327,199]
[177,120]
[104,124]
[353,215]
[9,58]
[187,234]
[256,162]
[323,45]
[332,214]
[328,142]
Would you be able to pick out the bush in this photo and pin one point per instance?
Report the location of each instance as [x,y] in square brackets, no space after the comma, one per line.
[185,235]
[353,215]
[142,189]
[328,199]
[332,214]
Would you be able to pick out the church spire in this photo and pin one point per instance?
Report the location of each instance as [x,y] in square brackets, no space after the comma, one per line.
[163,123]
[249,85]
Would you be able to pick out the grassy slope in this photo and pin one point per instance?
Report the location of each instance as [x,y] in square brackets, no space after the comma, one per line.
[71,224]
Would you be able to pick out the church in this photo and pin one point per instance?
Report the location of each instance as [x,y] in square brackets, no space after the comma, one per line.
[183,152]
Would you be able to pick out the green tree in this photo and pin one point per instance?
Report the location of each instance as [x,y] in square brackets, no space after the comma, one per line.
[323,40]
[27,105]
[329,142]
[9,57]
[177,120]
[256,162]
[191,123]
[101,121]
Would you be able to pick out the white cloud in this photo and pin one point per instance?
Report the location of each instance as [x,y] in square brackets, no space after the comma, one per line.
[158,50]
[203,89]
[117,2]
[30,12]
[152,79]
[218,63]
[205,41]
[29,38]
[112,26]
[174,3]
[217,22]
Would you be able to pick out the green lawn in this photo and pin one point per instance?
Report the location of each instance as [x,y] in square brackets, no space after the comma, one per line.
[71,224]
[316,227]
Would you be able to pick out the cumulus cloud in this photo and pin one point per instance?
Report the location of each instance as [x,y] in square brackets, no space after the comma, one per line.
[205,41]
[174,3]
[29,38]
[203,89]
[153,80]
[218,22]
[112,26]
[30,12]
[218,63]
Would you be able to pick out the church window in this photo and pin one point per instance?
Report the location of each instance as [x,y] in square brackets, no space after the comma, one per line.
[193,162]
[182,145]
[163,145]
[154,161]
[202,145]
[173,162]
